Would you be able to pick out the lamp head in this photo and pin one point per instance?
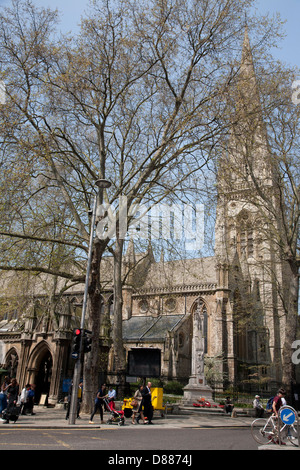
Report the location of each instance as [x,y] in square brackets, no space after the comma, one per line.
[102,184]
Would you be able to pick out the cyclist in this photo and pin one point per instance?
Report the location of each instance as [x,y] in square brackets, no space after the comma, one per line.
[278,401]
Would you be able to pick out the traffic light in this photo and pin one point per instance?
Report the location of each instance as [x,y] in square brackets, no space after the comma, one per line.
[76,343]
[87,341]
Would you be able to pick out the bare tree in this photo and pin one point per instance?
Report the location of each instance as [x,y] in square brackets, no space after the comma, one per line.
[134,98]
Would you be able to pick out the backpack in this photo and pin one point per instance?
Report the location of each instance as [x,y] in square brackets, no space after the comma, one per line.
[270,404]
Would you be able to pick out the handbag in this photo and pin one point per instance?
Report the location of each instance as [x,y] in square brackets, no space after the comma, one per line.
[134,403]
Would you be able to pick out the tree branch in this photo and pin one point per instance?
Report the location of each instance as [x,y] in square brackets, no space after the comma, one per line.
[43,239]
[40,270]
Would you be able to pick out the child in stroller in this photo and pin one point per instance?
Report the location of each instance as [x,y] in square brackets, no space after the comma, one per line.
[116,417]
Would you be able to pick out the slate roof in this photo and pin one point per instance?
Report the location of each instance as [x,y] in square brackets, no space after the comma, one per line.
[181,272]
[143,328]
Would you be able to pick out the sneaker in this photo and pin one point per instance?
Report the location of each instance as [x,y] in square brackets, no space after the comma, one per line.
[91,422]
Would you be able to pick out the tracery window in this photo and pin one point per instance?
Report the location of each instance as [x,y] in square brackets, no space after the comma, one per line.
[245,238]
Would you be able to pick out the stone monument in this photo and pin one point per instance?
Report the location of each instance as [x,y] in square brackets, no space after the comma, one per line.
[197,387]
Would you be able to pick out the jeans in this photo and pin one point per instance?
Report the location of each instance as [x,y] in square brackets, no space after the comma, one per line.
[97,406]
[3,402]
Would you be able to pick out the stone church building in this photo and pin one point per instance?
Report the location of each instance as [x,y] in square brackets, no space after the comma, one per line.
[232,292]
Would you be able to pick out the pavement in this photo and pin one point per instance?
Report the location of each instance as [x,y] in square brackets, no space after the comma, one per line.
[55,418]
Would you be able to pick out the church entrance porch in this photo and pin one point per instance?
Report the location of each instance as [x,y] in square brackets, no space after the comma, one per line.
[43,376]
[39,372]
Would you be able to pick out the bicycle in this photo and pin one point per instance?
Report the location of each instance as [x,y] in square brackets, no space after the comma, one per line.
[265,431]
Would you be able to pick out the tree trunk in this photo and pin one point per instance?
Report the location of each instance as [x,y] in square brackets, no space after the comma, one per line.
[119,351]
[90,369]
[288,375]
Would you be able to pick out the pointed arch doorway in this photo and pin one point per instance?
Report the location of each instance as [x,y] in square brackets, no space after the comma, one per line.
[41,370]
[43,376]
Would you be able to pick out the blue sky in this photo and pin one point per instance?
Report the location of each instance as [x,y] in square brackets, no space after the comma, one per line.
[289,10]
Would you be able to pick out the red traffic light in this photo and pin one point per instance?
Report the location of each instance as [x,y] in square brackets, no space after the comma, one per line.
[76,343]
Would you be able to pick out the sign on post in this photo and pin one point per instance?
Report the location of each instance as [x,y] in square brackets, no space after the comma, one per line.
[289,418]
[287,415]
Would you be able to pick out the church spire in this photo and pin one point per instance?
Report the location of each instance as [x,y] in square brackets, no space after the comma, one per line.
[248,149]
[248,101]
[247,58]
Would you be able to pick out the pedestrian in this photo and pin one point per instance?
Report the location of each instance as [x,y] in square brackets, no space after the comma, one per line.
[12,393]
[278,401]
[137,412]
[3,393]
[30,401]
[12,398]
[24,399]
[112,395]
[228,406]
[99,403]
[148,408]
[79,399]
[258,407]
[69,400]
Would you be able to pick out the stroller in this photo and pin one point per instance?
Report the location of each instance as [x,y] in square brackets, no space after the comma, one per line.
[116,417]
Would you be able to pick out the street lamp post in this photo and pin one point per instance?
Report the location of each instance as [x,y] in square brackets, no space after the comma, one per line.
[102,184]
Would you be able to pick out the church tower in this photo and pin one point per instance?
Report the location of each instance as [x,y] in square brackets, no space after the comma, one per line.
[247,306]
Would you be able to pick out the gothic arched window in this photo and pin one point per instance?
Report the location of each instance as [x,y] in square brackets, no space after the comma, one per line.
[12,362]
[245,239]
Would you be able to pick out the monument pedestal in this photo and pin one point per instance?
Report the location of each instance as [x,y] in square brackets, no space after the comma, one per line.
[196,389]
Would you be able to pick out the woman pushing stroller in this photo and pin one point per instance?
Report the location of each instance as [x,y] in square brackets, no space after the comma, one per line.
[137,406]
